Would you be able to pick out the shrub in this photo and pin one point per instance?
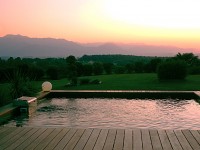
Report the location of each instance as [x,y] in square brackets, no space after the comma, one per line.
[87,69]
[52,72]
[98,68]
[119,69]
[195,70]
[96,81]
[2,75]
[36,73]
[4,97]
[172,69]
[139,67]
[20,84]
[84,81]
[108,67]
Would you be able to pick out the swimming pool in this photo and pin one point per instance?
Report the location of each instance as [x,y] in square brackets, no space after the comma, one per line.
[114,113]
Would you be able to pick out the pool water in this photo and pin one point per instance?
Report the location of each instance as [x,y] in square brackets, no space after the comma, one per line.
[114,113]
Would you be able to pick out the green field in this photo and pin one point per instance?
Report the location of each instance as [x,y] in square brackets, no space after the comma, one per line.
[142,81]
[130,82]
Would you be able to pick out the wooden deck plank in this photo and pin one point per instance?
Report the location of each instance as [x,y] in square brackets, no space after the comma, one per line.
[146,140]
[3,129]
[101,139]
[92,140]
[119,140]
[173,140]
[137,140]
[5,136]
[11,135]
[14,138]
[39,139]
[63,142]
[110,139]
[196,135]
[6,132]
[72,143]
[23,138]
[57,139]
[48,139]
[155,139]
[98,139]
[183,141]
[83,140]
[194,144]
[128,139]
[164,140]
[32,138]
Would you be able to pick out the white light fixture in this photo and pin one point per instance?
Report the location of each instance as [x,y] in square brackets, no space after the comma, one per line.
[46,86]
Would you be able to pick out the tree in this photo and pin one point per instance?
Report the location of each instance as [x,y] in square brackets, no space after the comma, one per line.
[154,64]
[119,69]
[18,61]
[129,68]
[80,69]
[10,61]
[71,60]
[98,68]
[72,69]
[87,69]
[37,73]
[172,69]
[2,75]
[52,72]
[108,67]
[189,58]
[139,67]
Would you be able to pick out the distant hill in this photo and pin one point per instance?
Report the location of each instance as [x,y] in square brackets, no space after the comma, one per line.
[22,46]
[17,45]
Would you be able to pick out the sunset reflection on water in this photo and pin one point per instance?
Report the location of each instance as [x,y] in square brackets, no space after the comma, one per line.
[116,113]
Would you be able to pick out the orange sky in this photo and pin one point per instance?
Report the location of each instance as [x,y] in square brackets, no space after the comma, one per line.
[155,22]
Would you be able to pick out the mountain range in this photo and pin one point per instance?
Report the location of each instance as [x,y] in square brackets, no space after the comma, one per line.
[23,46]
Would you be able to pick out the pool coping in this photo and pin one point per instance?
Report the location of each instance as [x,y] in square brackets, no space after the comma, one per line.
[7,111]
[125,94]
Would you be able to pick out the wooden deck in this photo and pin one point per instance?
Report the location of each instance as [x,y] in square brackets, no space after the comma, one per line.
[97,139]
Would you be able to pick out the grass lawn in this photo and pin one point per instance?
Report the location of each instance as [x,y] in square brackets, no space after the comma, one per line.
[145,81]
[130,82]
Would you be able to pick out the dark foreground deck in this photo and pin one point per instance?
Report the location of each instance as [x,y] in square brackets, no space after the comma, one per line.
[97,139]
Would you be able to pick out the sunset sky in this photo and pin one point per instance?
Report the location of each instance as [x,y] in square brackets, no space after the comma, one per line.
[154,22]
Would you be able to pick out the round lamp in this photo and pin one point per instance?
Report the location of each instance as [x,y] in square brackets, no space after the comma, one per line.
[46,86]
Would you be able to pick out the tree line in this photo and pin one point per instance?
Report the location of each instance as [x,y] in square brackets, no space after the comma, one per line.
[72,67]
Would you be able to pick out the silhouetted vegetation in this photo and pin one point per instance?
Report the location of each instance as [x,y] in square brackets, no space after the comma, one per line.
[52,72]
[18,72]
[114,59]
[172,69]
[108,68]
[20,84]
[72,68]
[84,81]
[192,61]
[98,68]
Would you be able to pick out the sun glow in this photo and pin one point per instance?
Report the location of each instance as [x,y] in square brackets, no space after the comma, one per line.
[155,13]
[156,22]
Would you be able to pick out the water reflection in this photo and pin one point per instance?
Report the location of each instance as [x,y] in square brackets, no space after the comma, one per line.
[117,113]
[172,103]
[20,120]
